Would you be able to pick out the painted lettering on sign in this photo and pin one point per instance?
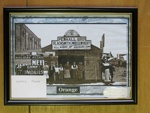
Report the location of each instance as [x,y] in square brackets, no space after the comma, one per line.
[70,44]
[71,41]
[68,89]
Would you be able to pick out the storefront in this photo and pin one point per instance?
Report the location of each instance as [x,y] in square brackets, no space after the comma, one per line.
[75,48]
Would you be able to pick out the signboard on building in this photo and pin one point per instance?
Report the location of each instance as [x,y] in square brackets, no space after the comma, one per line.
[29,64]
[71,43]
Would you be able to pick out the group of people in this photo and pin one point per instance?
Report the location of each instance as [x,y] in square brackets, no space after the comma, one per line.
[67,72]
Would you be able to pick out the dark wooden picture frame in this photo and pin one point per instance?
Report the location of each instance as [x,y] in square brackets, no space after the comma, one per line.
[25,57]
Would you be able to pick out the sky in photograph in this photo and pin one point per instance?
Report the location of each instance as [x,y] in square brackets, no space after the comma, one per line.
[116,35]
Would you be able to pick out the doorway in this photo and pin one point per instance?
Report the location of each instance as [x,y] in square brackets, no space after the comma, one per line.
[62,59]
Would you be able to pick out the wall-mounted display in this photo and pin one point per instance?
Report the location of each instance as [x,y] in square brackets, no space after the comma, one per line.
[70,56]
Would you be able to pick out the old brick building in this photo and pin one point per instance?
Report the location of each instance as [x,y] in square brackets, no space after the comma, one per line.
[27,51]
[26,39]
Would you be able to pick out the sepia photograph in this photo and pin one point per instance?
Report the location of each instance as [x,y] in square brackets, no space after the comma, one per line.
[71,56]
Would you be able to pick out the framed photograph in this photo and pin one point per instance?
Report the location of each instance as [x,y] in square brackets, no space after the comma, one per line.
[70,56]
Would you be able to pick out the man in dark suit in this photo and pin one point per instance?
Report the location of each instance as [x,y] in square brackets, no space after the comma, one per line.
[51,73]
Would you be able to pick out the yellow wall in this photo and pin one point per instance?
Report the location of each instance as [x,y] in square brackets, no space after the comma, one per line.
[143,105]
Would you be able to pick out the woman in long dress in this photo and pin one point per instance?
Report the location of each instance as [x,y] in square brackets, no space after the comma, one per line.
[106,71]
[67,69]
